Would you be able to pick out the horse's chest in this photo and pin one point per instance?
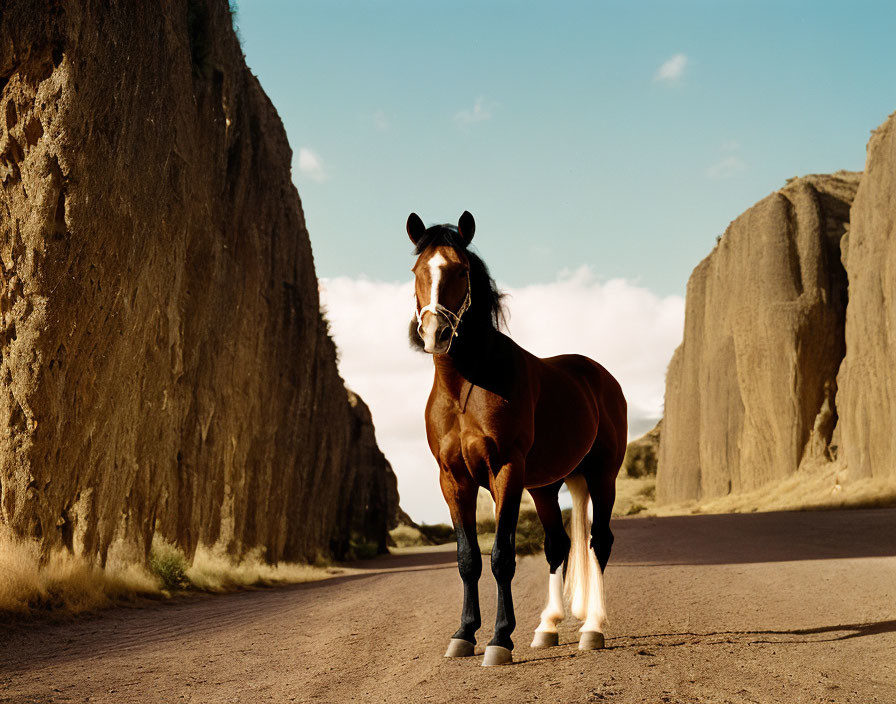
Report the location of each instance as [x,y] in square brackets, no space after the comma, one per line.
[489,440]
[477,430]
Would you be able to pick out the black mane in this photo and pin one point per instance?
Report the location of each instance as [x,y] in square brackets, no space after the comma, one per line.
[486,301]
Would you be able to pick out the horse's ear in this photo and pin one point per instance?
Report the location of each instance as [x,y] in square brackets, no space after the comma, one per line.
[416,228]
[466,227]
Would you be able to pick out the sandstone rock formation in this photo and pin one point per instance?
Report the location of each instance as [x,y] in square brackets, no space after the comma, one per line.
[642,454]
[749,393]
[866,398]
[165,367]
[371,509]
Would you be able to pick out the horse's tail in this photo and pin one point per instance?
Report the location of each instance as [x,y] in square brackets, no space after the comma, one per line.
[578,567]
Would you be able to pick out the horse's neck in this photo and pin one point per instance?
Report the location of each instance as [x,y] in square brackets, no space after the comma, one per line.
[471,358]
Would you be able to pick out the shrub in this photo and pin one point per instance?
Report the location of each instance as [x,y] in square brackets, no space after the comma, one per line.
[405,536]
[168,563]
[363,549]
[529,533]
[439,533]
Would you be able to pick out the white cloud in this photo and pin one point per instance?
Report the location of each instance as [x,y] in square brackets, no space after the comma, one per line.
[726,168]
[380,121]
[479,113]
[311,165]
[672,69]
[627,328]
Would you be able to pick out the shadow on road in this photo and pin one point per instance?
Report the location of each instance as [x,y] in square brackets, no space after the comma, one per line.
[643,643]
[754,537]
[408,559]
[721,539]
[796,635]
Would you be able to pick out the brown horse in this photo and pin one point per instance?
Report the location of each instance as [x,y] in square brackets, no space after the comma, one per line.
[498,417]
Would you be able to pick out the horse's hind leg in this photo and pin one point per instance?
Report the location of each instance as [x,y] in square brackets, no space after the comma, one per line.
[600,475]
[556,550]
[602,487]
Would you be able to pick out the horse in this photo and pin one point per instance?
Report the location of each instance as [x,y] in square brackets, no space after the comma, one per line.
[501,418]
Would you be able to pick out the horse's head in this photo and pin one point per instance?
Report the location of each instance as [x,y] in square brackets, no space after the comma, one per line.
[442,279]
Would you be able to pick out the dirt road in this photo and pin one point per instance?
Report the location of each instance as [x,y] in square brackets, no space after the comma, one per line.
[785,607]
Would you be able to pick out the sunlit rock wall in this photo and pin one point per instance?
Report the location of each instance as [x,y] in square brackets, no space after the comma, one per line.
[165,368]
[867,381]
[750,391]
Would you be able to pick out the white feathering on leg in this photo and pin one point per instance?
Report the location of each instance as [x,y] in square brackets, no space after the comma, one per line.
[554,612]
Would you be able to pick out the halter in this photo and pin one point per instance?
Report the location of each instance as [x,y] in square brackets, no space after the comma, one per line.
[449,315]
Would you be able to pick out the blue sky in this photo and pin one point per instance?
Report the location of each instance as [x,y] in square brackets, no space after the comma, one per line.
[578,152]
[601,147]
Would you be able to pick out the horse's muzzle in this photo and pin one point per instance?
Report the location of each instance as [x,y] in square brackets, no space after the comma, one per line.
[436,332]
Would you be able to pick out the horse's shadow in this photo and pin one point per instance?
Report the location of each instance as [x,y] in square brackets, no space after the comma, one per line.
[795,636]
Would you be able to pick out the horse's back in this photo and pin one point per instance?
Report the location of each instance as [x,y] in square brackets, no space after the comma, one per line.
[593,376]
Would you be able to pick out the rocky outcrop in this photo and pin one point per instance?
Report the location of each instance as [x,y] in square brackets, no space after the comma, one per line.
[165,367]
[641,454]
[750,391]
[371,509]
[866,398]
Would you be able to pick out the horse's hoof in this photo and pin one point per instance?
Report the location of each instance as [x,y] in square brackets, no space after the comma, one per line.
[459,648]
[496,655]
[544,639]
[591,640]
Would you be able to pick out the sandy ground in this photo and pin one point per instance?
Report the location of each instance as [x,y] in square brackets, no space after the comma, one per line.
[778,607]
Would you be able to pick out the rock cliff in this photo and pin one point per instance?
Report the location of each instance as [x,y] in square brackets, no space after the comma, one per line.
[750,391]
[165,367]
[371,508]
[866,398]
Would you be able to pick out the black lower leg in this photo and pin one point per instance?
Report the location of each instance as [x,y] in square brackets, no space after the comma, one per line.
[603,495]
[469,564]
[556,541]
[504,567]
[556,549]
[602,543]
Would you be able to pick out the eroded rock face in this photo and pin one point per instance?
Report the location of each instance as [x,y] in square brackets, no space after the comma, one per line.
[866,399]
[749,393]
[371,509]
[165,367]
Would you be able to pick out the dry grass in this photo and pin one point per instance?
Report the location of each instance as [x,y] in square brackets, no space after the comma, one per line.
[529,533]
[821,486]
[634,496]
[213,570]
[65,583]
[407,536]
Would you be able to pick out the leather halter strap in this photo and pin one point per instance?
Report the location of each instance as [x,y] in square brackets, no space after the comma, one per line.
[453,318]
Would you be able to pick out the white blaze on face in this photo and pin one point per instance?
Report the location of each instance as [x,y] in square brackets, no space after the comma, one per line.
[436,266]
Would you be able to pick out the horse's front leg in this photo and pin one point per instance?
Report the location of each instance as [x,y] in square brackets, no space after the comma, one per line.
[507,489]
[461,499]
